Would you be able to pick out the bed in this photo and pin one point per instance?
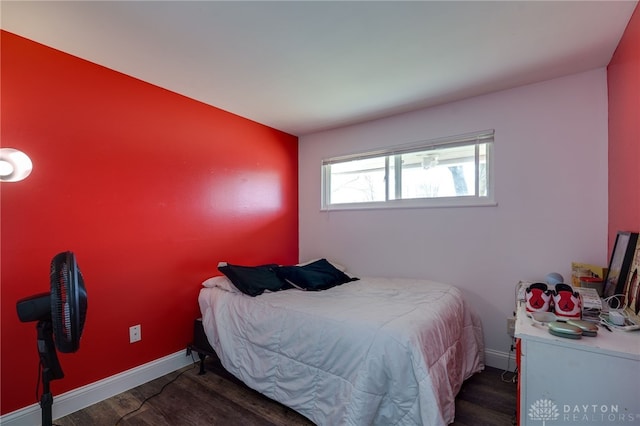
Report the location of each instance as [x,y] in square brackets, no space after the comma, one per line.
[375,351]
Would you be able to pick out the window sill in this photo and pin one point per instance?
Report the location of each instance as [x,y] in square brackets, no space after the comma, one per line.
[414,204]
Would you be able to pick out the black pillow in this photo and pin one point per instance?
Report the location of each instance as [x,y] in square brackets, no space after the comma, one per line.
[318,275]
[254,280]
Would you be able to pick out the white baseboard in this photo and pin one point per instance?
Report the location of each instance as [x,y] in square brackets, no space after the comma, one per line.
[84,396]
[500,359]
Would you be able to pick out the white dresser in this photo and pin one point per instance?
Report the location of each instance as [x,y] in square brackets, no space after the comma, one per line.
[580,382]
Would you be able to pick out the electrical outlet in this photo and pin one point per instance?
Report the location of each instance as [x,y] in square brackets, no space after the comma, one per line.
[511,326]
[135,334]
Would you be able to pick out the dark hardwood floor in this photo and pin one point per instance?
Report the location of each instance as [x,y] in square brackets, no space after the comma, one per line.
[217,398]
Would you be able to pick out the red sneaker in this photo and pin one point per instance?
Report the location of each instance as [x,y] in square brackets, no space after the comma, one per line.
[538,297]
[566,302]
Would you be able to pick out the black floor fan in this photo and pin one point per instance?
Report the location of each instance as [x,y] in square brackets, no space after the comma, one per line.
[60,313]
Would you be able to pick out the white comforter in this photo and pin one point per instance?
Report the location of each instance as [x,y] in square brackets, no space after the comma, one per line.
[370,352]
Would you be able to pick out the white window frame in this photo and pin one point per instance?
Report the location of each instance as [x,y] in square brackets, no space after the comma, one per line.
[484,137]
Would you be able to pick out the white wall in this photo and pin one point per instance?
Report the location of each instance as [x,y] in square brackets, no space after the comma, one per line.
[551,188]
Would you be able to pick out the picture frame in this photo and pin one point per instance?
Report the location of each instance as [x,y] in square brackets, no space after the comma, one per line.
[620,262]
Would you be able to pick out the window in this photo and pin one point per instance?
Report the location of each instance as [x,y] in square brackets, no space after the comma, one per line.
[453,171]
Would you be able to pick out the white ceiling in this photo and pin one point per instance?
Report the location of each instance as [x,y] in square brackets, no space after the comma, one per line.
[305,66]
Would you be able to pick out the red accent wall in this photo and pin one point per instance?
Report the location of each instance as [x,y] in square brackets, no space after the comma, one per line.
[623,78]
[149,188]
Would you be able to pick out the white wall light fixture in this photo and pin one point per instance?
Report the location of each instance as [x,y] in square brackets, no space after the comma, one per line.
[15,165]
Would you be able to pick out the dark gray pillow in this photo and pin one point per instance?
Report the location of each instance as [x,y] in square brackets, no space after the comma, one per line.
[318,275]
[254,280]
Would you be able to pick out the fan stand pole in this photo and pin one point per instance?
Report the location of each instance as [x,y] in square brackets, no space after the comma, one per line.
[46,401]
[50,366]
